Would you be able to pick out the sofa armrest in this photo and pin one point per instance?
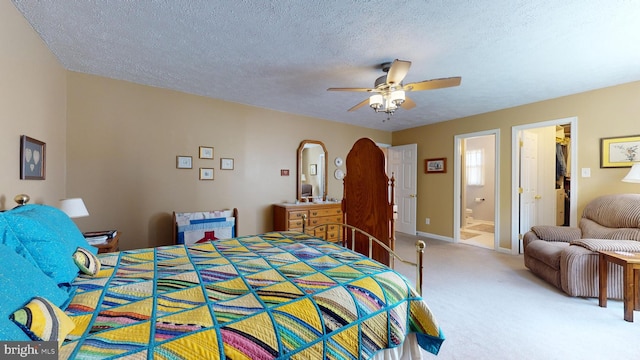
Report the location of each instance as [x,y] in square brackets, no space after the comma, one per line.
[557,233]
[608,245]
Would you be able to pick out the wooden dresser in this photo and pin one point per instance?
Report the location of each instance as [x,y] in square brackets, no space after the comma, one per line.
[290,217]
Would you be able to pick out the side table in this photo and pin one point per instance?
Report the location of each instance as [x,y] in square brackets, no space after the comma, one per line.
[111,245]
[630,263]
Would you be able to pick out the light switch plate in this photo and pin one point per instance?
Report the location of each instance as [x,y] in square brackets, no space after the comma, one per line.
[586,172]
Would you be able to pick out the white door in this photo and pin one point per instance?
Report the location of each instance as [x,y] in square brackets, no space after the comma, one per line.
[403,164]
[529,211]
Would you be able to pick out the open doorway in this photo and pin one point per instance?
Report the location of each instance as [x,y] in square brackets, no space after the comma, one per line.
[543,176]
[476,189]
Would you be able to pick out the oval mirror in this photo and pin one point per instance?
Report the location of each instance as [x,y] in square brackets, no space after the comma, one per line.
[312,171]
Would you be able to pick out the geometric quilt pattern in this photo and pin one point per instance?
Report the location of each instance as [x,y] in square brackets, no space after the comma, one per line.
[279,295]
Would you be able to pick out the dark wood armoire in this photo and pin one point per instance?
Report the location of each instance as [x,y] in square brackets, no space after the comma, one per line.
[368,199]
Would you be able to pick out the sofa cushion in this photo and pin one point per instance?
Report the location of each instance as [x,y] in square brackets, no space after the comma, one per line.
[593,230]
[557,233]
[547,252]
[613,211]
[608,245]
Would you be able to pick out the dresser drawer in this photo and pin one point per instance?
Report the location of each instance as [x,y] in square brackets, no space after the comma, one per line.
[325,219]
[293,215]
[295,224]
[325,212]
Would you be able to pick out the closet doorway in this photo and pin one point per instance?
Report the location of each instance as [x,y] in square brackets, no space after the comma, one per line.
[476,189]
[544,190]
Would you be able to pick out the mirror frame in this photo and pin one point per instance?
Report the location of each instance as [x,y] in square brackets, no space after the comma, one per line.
[299,160]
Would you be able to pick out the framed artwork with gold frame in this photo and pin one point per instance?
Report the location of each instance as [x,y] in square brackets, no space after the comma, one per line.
[619,152]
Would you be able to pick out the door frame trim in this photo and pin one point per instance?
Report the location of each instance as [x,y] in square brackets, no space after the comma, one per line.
[515,174]
[457,191]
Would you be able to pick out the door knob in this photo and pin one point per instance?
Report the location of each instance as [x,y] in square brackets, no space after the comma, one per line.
[413,195]
[537,197]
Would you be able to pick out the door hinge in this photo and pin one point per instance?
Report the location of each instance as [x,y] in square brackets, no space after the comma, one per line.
[519,236]
[520,190]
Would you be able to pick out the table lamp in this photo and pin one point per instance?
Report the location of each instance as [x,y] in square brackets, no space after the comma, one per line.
[74,208]
[634,174]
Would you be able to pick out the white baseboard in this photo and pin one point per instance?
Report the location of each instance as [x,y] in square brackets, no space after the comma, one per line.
[435,236]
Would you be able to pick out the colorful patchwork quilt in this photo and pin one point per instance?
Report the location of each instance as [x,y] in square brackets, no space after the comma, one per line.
[279,295]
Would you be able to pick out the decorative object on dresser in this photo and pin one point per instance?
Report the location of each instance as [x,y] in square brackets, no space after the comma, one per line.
[368,199]
[200,226]
[74,208]
[293,216]
[32,158]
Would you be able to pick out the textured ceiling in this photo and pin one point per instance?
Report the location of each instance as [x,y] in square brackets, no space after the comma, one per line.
[283,55]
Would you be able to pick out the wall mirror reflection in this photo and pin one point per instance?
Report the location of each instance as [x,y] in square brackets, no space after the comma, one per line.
[312,171]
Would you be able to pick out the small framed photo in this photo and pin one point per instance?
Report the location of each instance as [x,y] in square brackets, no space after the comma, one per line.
[206,174]
[437,165]
[313,169]
[32,158]
[183,162]
[226,164]
[206,152]
[619,152]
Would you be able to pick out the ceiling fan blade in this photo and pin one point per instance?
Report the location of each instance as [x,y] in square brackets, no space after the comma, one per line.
[349,89]
[398,71]
[363,103]
[433,84]
[408,104]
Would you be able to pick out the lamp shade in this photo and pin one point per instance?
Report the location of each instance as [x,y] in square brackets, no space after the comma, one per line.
[634,174]
[73,207]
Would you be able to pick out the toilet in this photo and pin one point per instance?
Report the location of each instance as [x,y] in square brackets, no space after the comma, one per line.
[468,216]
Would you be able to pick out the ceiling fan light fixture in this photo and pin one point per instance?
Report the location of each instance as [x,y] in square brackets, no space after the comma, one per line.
[397,97]
[375,101]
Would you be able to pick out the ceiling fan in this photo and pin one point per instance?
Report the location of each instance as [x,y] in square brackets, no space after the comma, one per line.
[389,92]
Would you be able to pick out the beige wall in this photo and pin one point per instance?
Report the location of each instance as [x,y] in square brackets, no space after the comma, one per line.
[601,113]
[123,140]
[33,103]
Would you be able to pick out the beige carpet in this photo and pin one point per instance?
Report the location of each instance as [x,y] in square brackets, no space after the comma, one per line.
[481,227]
[489,306]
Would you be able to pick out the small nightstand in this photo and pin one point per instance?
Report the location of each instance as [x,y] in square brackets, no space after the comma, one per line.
[110,246]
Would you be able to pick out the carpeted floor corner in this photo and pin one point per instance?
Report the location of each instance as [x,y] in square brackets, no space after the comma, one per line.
[489,306]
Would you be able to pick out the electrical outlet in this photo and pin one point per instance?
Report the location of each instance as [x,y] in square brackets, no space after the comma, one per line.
[427,221]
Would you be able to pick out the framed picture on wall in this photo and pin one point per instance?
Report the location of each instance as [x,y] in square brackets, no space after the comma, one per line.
[619,152]
[183,162]
[313,169]
[437,165]
[206,174]
[226,164]
[32,158]
[206,152]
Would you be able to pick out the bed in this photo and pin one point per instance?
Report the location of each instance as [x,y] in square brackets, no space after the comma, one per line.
[277,295]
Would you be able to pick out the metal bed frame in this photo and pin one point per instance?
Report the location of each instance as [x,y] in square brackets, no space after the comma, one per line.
[321,231]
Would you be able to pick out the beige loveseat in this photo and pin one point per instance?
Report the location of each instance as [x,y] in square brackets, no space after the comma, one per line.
[567,256]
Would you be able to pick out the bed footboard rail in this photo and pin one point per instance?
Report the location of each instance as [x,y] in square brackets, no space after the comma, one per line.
[321,231]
